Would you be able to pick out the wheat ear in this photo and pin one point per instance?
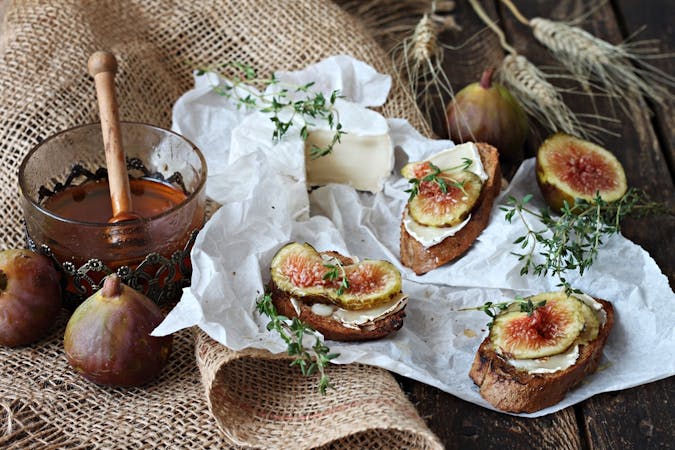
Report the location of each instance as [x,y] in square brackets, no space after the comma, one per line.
[419,57]
[528,84]
[617,68]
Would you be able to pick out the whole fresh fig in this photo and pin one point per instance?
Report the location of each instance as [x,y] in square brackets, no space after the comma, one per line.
[108,340]
[487,112]
[30,296]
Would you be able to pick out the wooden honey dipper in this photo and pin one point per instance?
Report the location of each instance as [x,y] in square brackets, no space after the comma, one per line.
[103,67]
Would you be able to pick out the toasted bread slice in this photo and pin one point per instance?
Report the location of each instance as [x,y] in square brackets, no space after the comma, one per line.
[328,326]
[519,391]
[420,259]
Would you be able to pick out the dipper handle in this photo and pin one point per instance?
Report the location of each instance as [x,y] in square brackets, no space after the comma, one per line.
[103,67]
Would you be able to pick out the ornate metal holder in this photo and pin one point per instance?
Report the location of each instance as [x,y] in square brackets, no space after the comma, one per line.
[160,278]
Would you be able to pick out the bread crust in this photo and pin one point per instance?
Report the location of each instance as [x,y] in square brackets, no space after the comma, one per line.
[518,391]
[331,328]
[420,259]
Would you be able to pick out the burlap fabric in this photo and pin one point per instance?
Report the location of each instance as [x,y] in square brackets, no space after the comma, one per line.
[225,399]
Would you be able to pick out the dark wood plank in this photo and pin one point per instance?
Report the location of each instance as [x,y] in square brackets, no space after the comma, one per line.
[463,425]
[657,20]
[616,420]
[639,418]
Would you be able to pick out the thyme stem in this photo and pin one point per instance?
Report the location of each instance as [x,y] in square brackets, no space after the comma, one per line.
[314,107]
[293,331]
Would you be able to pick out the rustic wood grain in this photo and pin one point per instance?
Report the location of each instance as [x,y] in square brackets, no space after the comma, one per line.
[463,425]
[639,418]
[655,22]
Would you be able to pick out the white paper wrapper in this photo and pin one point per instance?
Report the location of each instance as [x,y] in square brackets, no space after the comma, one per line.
[265,205]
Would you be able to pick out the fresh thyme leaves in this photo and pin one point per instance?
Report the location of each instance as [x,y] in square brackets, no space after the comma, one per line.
[439,177]
[336,271]
[293,331]
[571,241]
[283,104]
[493,309]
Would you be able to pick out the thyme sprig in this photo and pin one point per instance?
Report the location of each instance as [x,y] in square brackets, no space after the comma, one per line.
[293,331]
[336,271]
[493,309]
[439,176]
[571,241]
[310,109]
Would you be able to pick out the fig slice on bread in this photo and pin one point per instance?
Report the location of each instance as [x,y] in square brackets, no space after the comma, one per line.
[423,256]
[531,358]
[336,295]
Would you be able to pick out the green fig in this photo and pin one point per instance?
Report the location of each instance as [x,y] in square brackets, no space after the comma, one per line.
[487,112]
[108,340]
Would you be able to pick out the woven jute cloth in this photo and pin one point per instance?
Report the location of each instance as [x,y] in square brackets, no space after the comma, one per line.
[208,396]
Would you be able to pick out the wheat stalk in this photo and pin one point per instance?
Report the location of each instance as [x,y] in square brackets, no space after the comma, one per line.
[617,68]
[528,84]
[419,58]
[539,98]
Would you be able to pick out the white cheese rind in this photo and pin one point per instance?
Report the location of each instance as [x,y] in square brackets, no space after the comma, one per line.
[363,162]
[355,318]
[594,305]
[454,157]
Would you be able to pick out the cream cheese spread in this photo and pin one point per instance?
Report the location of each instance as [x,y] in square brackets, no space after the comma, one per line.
[355,319]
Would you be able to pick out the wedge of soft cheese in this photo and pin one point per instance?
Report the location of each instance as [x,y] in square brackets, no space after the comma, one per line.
[363,162]
[429,236]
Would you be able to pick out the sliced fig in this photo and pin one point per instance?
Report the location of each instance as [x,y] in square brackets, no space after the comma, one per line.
[299,270]
[569,168]
[303,272]
[548,330]
[591,325]
[371,283]
[433,207]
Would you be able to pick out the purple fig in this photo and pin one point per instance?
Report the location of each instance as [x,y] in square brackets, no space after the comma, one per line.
[487,112]
[30,297]
[108,340]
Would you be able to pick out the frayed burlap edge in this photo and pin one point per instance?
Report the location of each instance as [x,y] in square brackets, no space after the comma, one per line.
[259,400]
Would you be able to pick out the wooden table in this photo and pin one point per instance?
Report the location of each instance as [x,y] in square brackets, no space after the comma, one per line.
[641,417]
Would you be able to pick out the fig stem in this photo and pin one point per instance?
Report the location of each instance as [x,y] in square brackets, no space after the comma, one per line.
[112,286]
[486,78]
[3,281]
